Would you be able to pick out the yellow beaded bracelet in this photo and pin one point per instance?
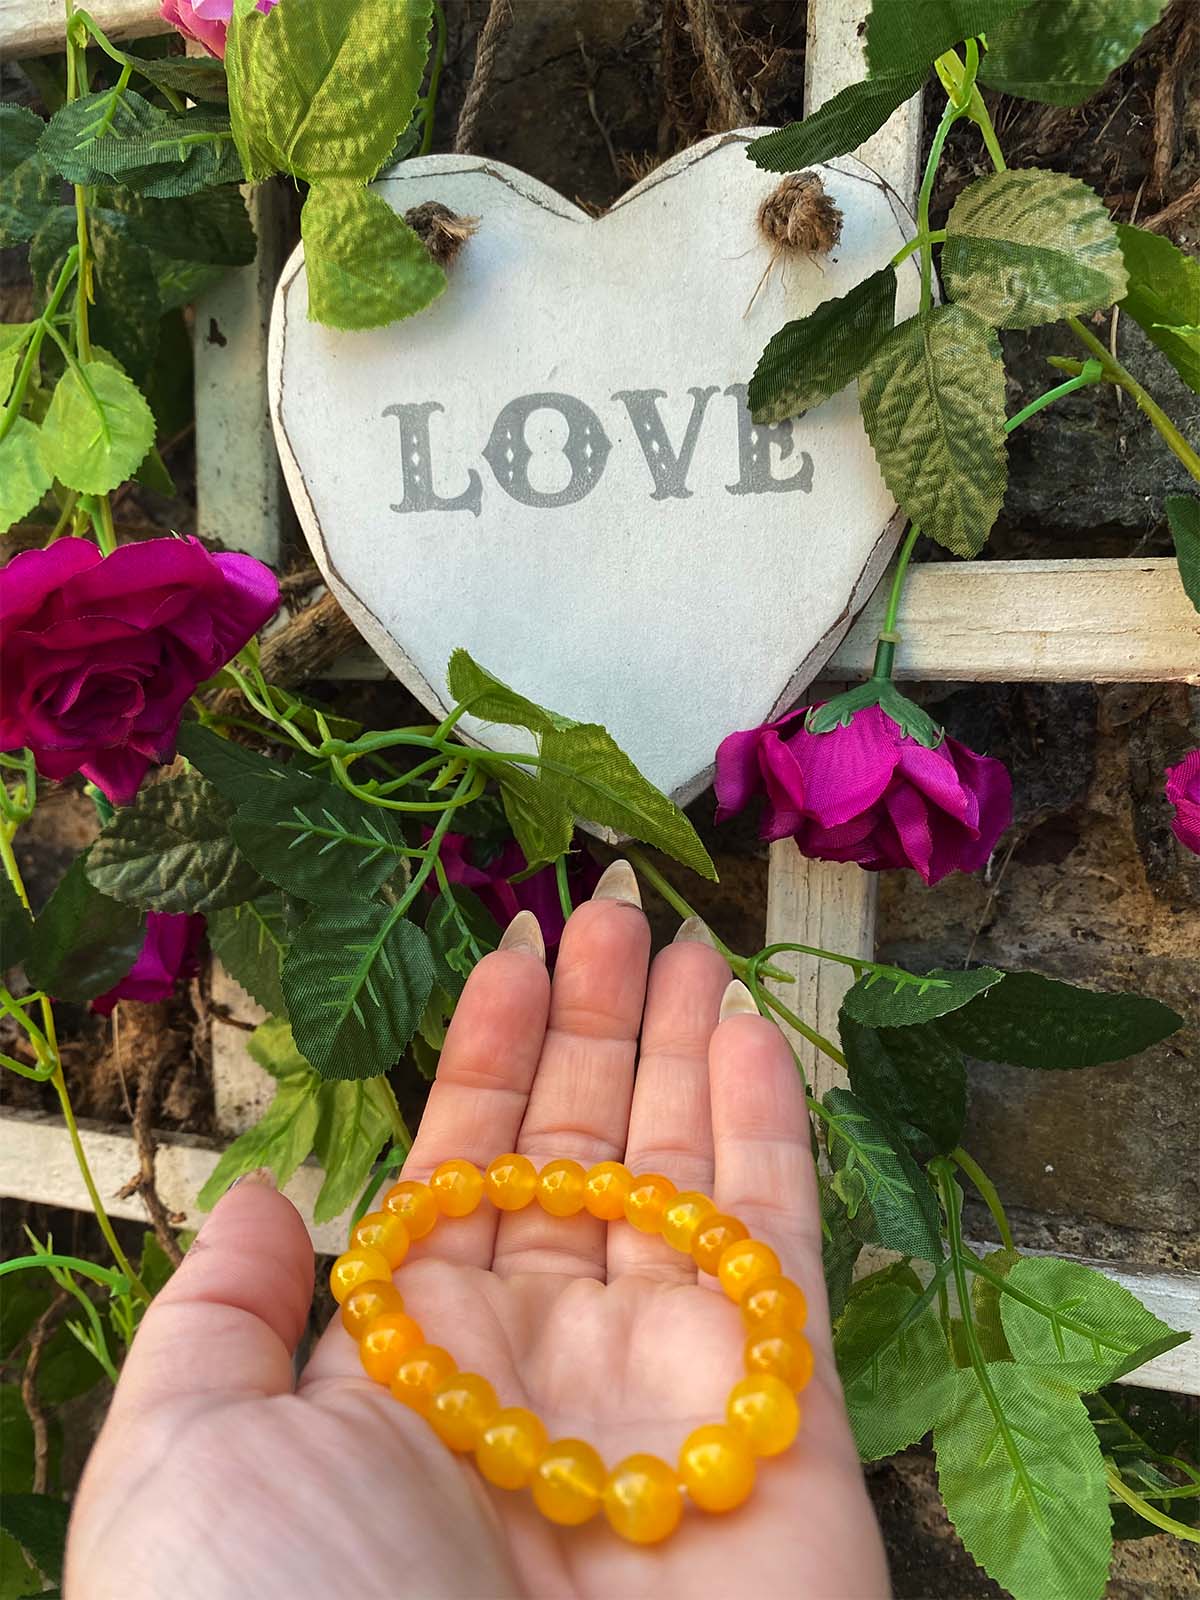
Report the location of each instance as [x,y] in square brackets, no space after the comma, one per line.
[641,1496]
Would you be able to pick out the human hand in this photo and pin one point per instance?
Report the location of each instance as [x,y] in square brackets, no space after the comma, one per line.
[218,1475]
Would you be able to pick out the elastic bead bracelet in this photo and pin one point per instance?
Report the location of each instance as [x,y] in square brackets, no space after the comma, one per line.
[642,1496]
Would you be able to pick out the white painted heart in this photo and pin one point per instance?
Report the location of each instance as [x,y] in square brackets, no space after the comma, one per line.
[553,465]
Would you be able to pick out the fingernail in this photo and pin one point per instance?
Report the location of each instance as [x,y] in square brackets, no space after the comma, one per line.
[263,1177]
[524,933]
[618,882]
[737,1001]
[695,931]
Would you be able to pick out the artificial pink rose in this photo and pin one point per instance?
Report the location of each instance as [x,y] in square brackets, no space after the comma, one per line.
[99,654]
[171,951]
[1183,791]
[206,21]
[537,893]
[867,793]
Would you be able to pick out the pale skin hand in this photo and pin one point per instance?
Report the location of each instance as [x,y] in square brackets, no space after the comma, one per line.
[219,1475]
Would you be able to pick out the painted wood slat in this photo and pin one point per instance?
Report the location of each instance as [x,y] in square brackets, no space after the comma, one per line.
[37,27]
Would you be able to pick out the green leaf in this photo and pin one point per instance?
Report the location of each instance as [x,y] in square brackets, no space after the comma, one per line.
[273,1046]
[16,1443]
[815,357]
[355,1121]
[39,1525]
[985,1305]
[1079,1327]
[365,265]
[248,940]
[48,251]
[487,698]
[93,441]
[356,980]
[840,125]
[461,932]
[541,821]
[1062,51]
[127,310]
[171,850]
[83,942]
[895,1364]
[208,228]
[843,1237]
[318,842]
[1147,1436]
[1164,294]
[932,400]
[914,1075]
[280,1141]
[155,1267]
[159,153]
[237,774]
[14,336]
[324,90]
[902,1202]
[19,1578]
[913,33]
[23,478]
[1031,1021]
[876,1003]
[1183,513]
[29,185]
[1027,247]
[181,282]
[198,77]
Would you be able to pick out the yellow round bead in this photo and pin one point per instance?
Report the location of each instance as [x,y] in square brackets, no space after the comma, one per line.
[420,1372]
[774,1305]
[510,1447]
[569,1482]
[414,1204]
[510,1182]
[713,1237]
[461,1409]
[368,1300]
[683,1216]
[353,1267]
[744,1264]
[379,1230]
[642,1500]
[784,1355]
[560,1188]
[646,1201]
[764,1412]
[388,1339]
[717,1467]
[457,1187]
[605,1188]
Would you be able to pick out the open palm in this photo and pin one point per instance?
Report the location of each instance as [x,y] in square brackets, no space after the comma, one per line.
[217,1474]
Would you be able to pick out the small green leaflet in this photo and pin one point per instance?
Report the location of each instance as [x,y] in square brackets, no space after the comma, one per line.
[23,477]
[1022,1477]
[1027,247]
[913,33]
[324,90]
[1062,51]
[281,1140]
[461,932]
[29,185]
[159,153]
[842,1238]
[1183,513]
[198,77]
[1149,1437]
[814,358]
[317,842]
[48,251]
[83,942]
[985,1305]
[492,701]
[249,942]
[38,1523]
[913,1074]
[355,1122]
[365,265]
[840,125]
[902,1202]
[895,1365]
[171,851]
[155,1267]
[356,980]
[1164,295]
[1081,1329]
[236,773]
[1036,1022]
[14,336]
[932,400]
[97,430]
[16,927]
[877,1003]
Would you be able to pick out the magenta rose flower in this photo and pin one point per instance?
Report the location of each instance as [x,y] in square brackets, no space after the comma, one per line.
[1183,791]
[99,654]
[867,793]
[537,893]
[171,951]
[206,21]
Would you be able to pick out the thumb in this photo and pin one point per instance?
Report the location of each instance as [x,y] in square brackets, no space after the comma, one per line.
[229,1320]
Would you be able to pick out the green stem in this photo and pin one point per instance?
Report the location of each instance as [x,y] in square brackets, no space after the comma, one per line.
[1135,1502]
[987,1189]
[1116,373]
[43,326]
[564,888]
[949,117]
[115,1281]
[1092,373]
[919,242]
[818,1040]
[898,577]
[400,1133]
[429,103]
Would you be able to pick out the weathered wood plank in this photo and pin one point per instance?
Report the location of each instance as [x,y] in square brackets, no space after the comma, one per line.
[36,27]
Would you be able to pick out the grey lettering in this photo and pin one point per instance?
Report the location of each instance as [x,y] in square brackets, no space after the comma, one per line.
[586,449]
[668,470]
[755,441]
[416,464]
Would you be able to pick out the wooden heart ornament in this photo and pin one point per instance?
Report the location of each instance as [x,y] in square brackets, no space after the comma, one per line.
[553,465]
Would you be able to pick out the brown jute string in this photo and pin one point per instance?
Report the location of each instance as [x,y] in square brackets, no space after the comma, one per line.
[710,46]
[498,18]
